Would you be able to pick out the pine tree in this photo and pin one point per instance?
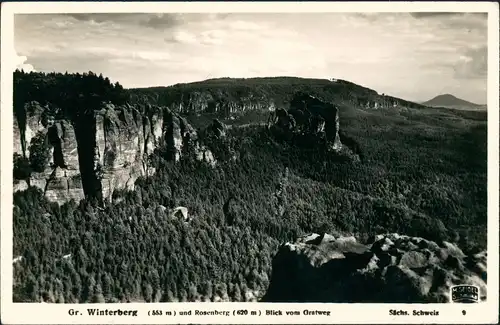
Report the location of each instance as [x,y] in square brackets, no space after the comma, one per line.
[280,195]
[148,292]
[237,293]
[98,297]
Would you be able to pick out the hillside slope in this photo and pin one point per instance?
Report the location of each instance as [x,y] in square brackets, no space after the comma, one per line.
[230,95]
[421,172]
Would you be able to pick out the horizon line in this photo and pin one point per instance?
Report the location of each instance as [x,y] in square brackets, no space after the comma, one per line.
[249,78]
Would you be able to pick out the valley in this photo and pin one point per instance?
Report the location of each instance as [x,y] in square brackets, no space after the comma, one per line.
[259,164]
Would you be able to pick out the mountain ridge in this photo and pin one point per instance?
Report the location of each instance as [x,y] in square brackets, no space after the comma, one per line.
[233,94]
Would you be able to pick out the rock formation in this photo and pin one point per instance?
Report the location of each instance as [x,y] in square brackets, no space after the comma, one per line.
[26,126]
[218,143]
[103,152]
[317,116]
[217,128]
[225,96]
[180,213]
[58,175]
[392,268]
[216,100]
[284,121]
[309,116]
[122,145]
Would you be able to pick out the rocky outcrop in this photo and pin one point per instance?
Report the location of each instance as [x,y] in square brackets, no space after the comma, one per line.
[103,152]
[309,116]
[59,177]
[317,117]
[121,148]
[18,146]
[283,121]
[181,139]
[180,213]
[226,96]
[26,126]
[63,185]
[173,136]
[217,128]
[390,269]
[218,101]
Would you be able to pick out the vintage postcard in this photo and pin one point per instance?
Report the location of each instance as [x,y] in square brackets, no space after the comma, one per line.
[249,163]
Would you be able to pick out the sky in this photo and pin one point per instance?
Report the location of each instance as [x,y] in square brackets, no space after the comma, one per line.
[415,56]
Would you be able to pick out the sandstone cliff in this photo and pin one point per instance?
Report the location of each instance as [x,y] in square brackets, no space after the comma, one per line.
[231,95]
[102,153]
[59,177]
[219,101]
[210,96]
[311,122]
[391,269]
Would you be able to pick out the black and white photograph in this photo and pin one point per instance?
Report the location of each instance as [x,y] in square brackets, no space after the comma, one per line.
[267,157]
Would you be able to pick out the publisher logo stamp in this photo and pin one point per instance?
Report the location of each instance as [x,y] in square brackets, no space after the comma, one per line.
[466,294]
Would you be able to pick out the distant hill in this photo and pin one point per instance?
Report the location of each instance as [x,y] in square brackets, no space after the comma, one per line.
[450,101]
[231,95]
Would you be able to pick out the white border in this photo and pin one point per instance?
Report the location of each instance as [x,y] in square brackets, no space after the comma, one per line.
[341,313]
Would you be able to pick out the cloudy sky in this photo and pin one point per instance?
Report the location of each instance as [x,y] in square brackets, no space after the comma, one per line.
[413,56]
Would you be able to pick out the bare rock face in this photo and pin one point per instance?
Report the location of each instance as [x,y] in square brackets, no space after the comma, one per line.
[27,126]
[124,140]
[116,144]
[203,153]
[64,182]
[62,137]
[309,116]
[317,116]
[20,185]
[180,139]
[60,179]
[180,213]
[219,101]
[172,134]
[391,269]
[120,148]
[17,136]
[63,185]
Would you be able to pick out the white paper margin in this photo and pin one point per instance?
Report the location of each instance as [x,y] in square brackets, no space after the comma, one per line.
[38,313]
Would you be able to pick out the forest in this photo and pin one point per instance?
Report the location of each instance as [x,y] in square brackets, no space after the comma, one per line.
[423,173]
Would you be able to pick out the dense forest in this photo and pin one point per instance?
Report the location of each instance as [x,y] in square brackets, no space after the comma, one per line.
[65,95]
[423,173]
